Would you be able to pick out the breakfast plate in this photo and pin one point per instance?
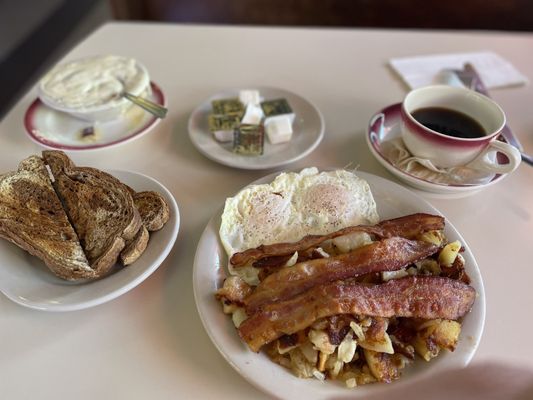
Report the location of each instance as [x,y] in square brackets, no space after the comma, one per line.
[25,279]
[209,272]
[385,126]
[58,130]
[308,130]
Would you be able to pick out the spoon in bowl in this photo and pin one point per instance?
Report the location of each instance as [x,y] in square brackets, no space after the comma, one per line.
[155,109]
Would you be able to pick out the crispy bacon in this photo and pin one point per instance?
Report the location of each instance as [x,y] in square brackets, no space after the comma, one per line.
[408,227]
[385,255]
[427,297]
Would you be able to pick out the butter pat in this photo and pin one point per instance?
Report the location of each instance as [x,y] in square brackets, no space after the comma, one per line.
[253,115]
[279,129]
[249,140]
[277,108]
[231,106]
[249,97]
[223,126]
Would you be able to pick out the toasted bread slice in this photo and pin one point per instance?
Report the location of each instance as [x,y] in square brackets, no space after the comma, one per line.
[153,209]
[136,247]
[100,208]
[32,217]
[154,212]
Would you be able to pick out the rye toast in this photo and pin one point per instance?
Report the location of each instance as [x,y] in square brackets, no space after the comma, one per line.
[153,209]
[32,217]
[100,208]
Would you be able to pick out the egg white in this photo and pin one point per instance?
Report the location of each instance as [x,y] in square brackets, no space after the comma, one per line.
[295,205]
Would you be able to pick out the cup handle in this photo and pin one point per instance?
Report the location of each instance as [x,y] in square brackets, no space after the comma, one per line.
[484,162]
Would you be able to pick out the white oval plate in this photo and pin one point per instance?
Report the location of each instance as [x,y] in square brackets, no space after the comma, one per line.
[58,130]
[308,130]
[385,125]
[210,270]
[27,281]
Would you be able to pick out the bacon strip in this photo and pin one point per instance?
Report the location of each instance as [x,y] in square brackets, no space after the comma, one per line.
[385,255]
[427,297]
[408,226]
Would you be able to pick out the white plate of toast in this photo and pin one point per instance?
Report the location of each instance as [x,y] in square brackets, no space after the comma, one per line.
[26,280]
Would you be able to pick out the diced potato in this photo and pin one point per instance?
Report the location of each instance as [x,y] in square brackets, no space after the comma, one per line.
[401,361]
[300,366]
[381,365]
[234,290]
[238,316]
[388,275]
[334,365]
[347,243]
[365,376]
[309,352]
[321,341]
[283,360]
[446,334]
[435,237]
[425,344]
[248,274]
[430,266]
[434,335]
[382,346]
[449,253]
[351,383]
[228,308]
[428,326]
[411,271]
[425,347]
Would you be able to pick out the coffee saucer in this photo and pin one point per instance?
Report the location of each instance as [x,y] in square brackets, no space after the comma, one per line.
[384,126]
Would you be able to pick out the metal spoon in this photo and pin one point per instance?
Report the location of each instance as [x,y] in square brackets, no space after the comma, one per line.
[155,109]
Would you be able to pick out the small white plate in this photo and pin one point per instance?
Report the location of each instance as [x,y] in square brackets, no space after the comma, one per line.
[210,270]
[384,126]
[58,130]
[308,130]
[27,281]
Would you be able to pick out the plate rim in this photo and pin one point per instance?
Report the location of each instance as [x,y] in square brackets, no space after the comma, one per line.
[252,166]
[266,387]
[414,181]
[134,282]
[29,127]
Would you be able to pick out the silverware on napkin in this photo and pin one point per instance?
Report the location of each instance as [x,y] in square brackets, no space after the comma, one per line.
[471,79]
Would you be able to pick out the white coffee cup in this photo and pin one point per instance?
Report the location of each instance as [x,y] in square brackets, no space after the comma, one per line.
[449,151]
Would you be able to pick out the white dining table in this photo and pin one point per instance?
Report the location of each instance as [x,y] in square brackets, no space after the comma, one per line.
[150,342]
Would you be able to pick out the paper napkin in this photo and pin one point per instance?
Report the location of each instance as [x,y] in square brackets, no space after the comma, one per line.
[395,151]
[423,70]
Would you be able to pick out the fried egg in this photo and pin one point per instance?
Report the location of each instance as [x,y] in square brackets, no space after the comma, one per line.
[295,205]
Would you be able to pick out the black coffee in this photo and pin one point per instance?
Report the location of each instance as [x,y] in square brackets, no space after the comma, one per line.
[449,122]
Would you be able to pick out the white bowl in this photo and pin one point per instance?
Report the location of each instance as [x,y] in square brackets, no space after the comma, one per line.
[103,112]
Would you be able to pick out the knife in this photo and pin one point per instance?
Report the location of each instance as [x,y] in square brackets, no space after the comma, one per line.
[471,79]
